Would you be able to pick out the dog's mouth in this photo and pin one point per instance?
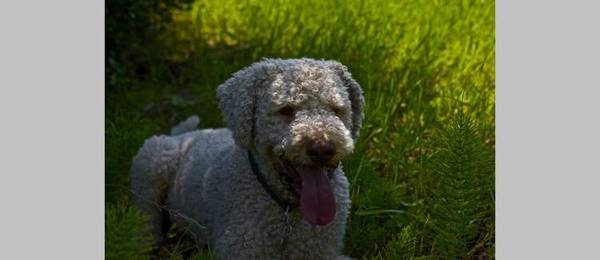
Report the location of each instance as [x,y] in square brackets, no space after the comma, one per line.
[312,183]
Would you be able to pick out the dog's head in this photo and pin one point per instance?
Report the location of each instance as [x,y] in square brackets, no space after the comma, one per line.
[303,114]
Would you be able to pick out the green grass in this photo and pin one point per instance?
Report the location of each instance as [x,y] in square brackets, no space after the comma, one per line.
[423,172]
[127,235]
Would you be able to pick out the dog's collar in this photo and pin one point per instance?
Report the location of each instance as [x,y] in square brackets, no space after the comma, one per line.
[261,178]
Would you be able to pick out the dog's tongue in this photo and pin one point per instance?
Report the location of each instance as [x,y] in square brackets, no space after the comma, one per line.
[317,204]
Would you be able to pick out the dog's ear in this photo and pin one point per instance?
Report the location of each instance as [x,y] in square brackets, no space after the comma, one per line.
[355,94]
[237,101]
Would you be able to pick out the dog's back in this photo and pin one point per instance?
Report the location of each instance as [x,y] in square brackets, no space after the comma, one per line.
[168,171]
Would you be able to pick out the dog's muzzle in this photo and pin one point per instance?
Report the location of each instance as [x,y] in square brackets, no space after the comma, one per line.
[320,152]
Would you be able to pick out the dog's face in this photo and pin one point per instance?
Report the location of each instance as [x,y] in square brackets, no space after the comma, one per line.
[303,115]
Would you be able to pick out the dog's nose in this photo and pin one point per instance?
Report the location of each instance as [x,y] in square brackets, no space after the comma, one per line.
[320,152]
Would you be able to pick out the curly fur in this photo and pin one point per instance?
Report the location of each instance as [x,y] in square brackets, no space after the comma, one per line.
[203,179]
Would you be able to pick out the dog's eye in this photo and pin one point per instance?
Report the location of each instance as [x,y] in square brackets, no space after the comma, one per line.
[287,111]
[338,111]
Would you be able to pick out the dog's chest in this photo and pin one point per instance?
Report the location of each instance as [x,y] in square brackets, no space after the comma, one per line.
[292,238]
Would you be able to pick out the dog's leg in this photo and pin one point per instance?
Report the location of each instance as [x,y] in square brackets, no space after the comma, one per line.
[152,169]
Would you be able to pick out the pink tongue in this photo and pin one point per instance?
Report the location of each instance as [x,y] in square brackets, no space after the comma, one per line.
[317,204]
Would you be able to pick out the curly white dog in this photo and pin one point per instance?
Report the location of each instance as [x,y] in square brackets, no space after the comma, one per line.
[271,185]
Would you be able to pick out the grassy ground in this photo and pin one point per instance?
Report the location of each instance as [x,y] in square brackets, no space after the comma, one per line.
[423,172]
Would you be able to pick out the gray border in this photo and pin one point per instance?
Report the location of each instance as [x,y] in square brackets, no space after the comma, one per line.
[547,129]
[52,134]
[52,137]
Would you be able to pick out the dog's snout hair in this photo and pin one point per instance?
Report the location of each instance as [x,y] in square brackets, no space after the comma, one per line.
[317,137]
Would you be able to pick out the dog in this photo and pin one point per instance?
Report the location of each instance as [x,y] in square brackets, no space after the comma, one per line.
[271,184]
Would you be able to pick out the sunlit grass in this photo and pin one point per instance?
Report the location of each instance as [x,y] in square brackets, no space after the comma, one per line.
[419,62]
